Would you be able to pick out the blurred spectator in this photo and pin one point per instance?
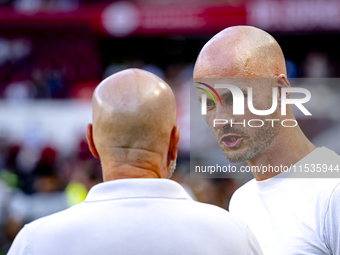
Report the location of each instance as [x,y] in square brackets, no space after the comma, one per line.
[18,91]
[317,65]
[292,70]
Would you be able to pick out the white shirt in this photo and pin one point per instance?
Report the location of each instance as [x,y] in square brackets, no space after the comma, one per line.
[293,215]
[137,216]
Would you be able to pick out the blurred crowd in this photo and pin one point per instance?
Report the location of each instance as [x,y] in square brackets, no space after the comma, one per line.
[41,64]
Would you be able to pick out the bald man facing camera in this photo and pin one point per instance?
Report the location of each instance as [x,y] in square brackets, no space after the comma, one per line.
[137,210]
[288,215]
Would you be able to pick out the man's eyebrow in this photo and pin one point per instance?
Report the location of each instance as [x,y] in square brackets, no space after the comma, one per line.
[229,94]
[226,95]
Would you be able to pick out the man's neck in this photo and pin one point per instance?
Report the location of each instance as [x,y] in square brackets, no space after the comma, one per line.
[289,147]
[124,163]
[127,171]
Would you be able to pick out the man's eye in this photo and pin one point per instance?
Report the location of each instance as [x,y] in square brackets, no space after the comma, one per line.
[210,103]
[229,100]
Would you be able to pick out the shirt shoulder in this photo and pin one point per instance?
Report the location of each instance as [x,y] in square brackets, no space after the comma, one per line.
[332,222]
[231,224]
[245,188]
[242,193]
[321,188]
[22,244]
[35,225]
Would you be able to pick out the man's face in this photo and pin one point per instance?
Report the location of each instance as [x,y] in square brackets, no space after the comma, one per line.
[241,143]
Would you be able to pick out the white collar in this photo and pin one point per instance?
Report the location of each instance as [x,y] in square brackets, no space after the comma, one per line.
[136,188]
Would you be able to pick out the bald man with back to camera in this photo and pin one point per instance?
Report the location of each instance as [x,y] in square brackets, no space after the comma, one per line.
[137,210]
[288,215]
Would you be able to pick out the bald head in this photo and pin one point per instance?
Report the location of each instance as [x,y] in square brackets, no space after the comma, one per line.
[134,116]
[240,52]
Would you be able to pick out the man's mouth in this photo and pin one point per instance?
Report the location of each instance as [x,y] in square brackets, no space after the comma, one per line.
[231,140]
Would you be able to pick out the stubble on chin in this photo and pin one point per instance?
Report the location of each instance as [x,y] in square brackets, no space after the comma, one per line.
[251,146]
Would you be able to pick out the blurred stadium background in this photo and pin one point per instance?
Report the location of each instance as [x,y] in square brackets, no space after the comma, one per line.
[53,53]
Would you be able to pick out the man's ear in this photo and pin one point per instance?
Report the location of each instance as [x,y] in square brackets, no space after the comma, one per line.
[92,147]
[282,82]
[173,146]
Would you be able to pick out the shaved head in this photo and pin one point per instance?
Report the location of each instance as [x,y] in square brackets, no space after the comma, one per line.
[246,57]
[134,121]
[240,51]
